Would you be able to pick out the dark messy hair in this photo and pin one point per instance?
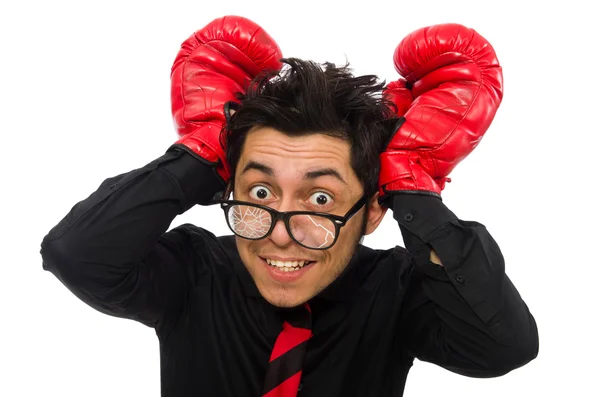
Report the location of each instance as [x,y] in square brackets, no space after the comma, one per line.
[306,98]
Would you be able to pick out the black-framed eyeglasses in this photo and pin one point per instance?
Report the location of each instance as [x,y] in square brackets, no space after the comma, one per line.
[313,230]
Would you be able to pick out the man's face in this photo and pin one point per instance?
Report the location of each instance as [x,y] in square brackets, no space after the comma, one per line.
[308,173]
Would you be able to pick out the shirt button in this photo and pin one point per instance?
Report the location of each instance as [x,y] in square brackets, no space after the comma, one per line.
[408,217]
[459,279]
[300,386]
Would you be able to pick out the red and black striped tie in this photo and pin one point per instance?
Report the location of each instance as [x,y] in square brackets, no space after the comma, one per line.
[287,358]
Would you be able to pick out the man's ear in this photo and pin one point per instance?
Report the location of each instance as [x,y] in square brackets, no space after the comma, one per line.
[229,189]
[223,194]
[375,213]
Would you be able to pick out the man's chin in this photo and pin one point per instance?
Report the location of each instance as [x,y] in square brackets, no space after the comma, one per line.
[285,304]
[284,298]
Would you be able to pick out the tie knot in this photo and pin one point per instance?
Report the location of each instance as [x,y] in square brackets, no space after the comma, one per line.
[299,317]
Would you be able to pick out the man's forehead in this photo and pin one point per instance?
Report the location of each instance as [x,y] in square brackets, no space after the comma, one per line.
[269,142]
[307,157]
[259,135]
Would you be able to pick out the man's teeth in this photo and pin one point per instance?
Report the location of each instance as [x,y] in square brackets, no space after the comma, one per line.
[287,266]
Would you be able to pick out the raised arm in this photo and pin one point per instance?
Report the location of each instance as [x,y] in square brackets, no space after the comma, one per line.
[108,250]
[111,250]
[462,312]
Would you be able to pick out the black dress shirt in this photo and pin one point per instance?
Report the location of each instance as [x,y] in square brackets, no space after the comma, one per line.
[215,330]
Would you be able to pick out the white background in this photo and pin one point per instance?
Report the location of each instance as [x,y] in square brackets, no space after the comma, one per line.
[84,89]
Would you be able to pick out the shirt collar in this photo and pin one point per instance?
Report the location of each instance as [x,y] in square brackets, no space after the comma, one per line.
[346,286]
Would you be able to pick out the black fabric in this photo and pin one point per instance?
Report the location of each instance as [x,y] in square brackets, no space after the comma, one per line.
[298,317]
[113,250]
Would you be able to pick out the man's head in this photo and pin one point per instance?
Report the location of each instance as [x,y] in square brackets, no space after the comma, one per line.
[307,139]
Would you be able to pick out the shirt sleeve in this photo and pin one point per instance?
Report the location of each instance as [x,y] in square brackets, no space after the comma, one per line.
[111,249]
[466,316]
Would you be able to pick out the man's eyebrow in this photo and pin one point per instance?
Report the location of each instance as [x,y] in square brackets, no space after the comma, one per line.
[265,169]
[324,172]
[254,165]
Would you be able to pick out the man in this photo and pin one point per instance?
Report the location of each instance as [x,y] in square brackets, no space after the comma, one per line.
[313,157]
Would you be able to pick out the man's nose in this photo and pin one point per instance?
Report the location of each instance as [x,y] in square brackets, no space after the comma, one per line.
[280,235]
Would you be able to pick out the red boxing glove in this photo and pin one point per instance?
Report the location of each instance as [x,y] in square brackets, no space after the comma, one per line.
[214,64]
[454,81]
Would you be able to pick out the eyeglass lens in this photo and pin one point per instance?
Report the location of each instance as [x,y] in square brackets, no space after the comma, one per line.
[312,231]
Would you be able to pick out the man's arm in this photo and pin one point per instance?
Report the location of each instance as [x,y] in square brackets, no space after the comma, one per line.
[110,250]
[465,315]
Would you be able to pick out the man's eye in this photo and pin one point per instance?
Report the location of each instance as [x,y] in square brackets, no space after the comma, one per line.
[260,192]
[320,199]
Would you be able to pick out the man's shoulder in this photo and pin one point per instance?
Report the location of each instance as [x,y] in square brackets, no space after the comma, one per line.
[378,256]
[198,240]
[383,263]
